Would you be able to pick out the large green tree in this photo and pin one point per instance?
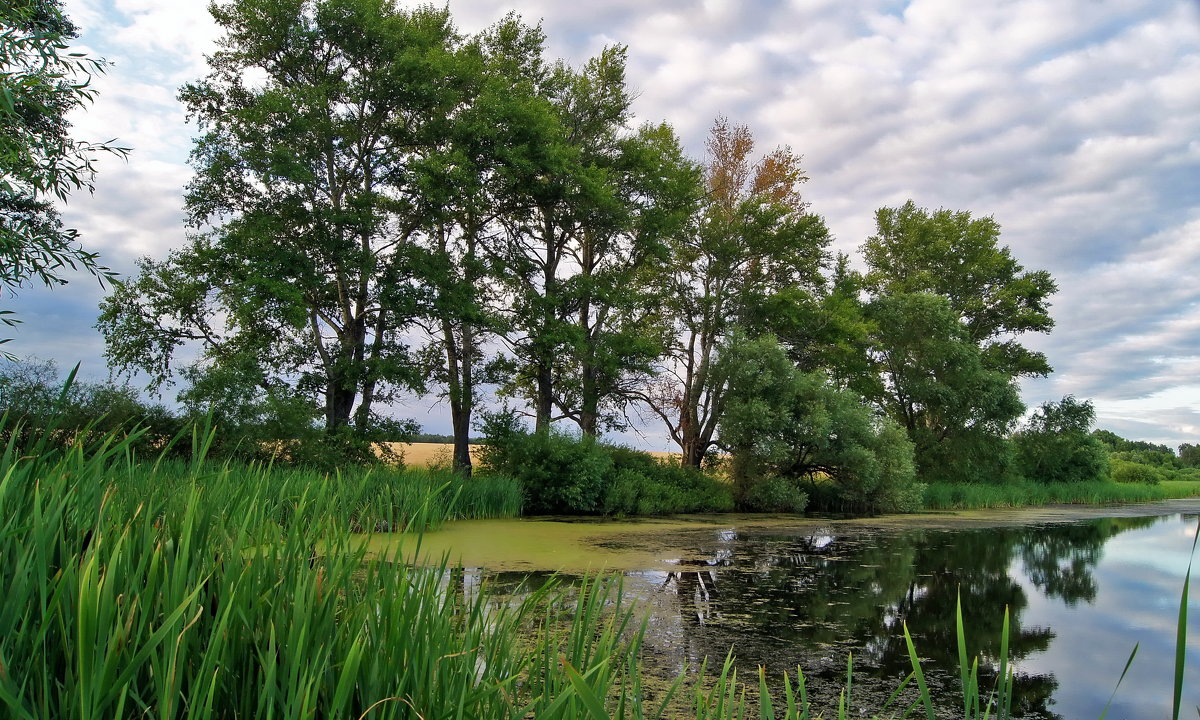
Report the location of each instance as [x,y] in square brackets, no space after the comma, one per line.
[475,177]
[947,306]
[952,254]
[617,321]
[752,245]
[929,376]
[315,120]
[40,162]
[578,243]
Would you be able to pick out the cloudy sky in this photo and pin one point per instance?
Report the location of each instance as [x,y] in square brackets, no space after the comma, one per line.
[1075,123]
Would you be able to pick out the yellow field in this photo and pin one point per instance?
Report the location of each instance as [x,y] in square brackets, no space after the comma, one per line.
[426,454]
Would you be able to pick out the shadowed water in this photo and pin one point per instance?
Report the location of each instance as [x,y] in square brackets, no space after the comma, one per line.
[1081,590]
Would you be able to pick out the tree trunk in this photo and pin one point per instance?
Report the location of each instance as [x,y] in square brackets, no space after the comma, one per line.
[460,391]
[544,398]
[589,398]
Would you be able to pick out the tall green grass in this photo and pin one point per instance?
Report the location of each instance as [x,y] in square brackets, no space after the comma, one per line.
[950,496]
[183,590]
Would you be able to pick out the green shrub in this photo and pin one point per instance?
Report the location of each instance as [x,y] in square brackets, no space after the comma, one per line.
[782,422]
[560,473]
[776,494]
[1124,471]
[641,484]
[1056,446]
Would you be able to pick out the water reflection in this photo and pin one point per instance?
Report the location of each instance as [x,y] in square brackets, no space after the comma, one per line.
[781,599]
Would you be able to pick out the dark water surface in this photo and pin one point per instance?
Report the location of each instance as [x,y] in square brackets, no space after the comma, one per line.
[1081,589]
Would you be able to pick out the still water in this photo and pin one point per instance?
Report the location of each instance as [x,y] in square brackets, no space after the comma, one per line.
[1082,587]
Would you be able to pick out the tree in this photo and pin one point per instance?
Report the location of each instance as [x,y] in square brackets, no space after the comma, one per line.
[930,377]
[578,247]
[947,304]
[40,84]
[308,182]
[470,180]
[958,257]
[617,322]
[1189,455]
[752,243]
[564,193]
[782,422]
[1056,445]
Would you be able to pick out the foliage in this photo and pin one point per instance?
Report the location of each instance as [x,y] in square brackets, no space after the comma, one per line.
[775,495]
[955,256]
[931,378]
[308,184]
[1189,455]
[782,422]
[1119,444]
[40,163]
[644,485]
[193,590]
[1055,444]
[587,223]
[127,567]
[561,473]
[753,253]
[1124,471]
[980,496]
[35,396]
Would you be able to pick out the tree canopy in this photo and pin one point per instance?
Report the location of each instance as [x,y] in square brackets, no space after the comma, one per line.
[306,200]
[40,162]
[384,206]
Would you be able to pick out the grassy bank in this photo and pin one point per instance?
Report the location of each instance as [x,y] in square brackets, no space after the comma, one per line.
[947,496]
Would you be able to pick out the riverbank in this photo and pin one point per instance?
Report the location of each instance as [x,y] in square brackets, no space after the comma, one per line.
[788,591]
[581,546]
[946,496]
[210,589]
[937,496]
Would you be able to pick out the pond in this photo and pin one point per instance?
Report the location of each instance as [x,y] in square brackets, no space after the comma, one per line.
[1081,585]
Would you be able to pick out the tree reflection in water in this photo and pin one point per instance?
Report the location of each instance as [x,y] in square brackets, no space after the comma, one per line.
[780,601]
[784,600]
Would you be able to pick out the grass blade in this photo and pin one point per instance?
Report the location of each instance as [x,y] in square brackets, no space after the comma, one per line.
[1114,692]
[1181,632]
[916,664]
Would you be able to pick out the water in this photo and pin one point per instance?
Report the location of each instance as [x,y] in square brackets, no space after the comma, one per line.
[1081,590]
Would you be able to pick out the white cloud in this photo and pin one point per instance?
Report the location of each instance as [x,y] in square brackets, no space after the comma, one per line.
[1075,123]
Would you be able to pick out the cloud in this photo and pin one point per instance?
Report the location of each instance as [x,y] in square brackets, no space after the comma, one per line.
[1075,123]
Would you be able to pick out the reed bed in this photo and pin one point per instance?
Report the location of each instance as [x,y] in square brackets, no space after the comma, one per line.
[194,590]
[949,496]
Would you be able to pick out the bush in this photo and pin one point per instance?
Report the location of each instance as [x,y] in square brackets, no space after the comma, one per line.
[1055,446]
[776,494]
[643,485]
[560,473]
[781,422]
[967,456]
[38,398]
[1124,471]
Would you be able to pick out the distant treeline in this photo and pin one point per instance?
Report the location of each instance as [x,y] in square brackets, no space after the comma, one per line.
[423,437]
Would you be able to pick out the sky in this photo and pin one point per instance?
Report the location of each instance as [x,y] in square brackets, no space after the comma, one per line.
[1074,123]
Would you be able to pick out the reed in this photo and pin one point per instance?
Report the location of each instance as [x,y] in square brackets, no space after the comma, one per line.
[951,496]
[175,590]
